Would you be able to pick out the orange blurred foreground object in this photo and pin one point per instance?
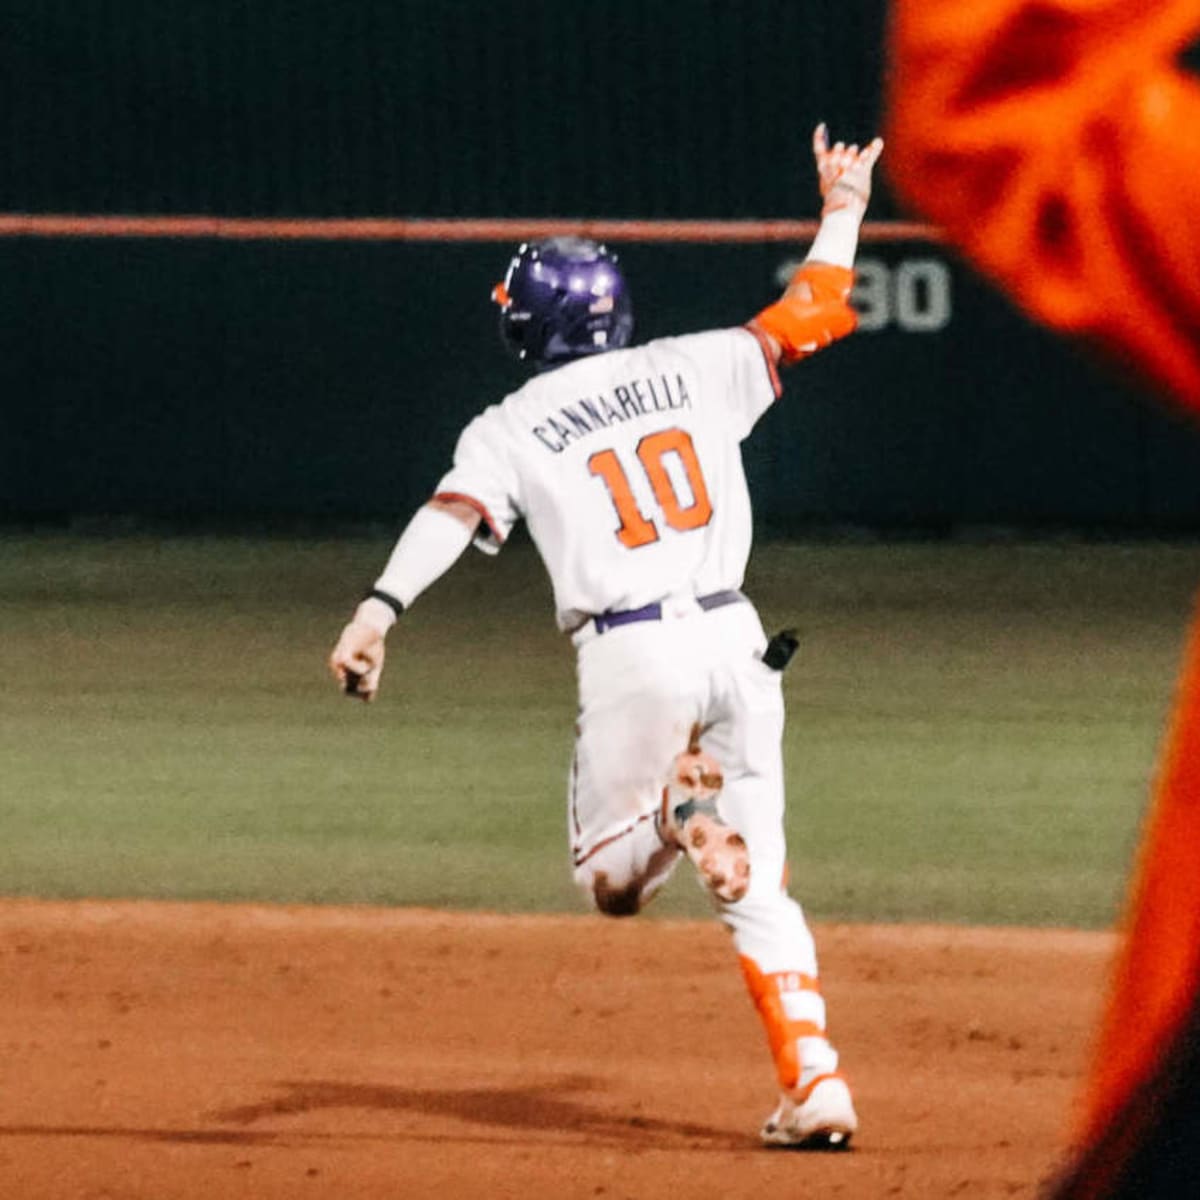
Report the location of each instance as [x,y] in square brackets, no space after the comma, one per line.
[1056,143]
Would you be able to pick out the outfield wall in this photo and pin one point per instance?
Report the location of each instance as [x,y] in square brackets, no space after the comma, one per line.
[629,108]
[291,375]
[219,378]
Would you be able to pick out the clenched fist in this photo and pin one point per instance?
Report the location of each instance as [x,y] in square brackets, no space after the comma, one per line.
[357,659]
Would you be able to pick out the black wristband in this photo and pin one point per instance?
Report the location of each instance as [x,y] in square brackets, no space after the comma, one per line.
[397,606]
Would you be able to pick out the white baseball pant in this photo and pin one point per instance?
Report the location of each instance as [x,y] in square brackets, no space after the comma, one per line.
[642,687]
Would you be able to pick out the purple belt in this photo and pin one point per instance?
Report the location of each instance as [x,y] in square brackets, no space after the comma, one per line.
[653,612]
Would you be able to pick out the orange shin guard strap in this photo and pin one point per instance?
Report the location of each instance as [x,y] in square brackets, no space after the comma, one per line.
[767,992]
[812,313]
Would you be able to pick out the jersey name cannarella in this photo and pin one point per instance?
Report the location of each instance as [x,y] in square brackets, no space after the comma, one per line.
[627,468]
[635,398]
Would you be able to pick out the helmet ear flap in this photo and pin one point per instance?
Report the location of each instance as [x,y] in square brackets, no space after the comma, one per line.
[515,322]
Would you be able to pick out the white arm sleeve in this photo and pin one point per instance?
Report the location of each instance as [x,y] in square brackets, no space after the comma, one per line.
[836,242]
[429,546]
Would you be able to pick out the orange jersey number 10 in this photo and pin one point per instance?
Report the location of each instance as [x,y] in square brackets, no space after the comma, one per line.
[636,529]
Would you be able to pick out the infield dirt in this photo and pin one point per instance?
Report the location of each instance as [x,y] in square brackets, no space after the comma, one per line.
[158,1051]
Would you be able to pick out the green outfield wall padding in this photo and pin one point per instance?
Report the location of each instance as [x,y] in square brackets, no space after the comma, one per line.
[406,107]
[216,379]
[221,379]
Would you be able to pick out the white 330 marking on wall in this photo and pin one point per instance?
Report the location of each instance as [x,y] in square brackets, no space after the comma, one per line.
[914,294]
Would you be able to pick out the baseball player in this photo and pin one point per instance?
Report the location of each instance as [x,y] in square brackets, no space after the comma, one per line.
[625,463]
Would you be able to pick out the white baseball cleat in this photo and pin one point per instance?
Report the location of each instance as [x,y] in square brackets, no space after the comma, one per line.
[690,820]
[820,1117]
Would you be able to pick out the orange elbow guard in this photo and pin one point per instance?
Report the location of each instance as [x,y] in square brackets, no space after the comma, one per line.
[807,318]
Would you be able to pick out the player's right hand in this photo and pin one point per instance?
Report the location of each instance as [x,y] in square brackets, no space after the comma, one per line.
[844,172]
[357,660]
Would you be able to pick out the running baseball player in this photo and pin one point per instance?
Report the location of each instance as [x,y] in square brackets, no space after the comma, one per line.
[625,463]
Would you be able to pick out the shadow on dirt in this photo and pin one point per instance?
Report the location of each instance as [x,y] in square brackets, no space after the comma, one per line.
[549,1108]
[548,1111]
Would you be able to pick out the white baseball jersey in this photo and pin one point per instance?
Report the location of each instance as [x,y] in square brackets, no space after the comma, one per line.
[627,468]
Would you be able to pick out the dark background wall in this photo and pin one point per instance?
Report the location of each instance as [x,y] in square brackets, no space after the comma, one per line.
[246,379]
[450,107]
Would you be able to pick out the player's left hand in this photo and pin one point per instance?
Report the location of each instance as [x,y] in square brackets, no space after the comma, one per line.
[357,660]
[844,172]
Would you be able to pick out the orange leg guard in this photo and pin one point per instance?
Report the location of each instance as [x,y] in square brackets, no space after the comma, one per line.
[782,999]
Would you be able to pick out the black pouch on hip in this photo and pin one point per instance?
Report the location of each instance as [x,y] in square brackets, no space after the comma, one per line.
[780,649]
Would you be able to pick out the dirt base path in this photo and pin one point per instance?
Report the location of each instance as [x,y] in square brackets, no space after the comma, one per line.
[172,1051]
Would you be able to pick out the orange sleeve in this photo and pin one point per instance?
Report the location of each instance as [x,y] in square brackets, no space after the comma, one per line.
[812,313]
[1056,142]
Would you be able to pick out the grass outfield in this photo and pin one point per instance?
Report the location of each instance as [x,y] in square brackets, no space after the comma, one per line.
[972,727]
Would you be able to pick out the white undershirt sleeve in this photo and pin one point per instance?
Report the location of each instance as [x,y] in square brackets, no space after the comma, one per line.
[836,242]
[429,546]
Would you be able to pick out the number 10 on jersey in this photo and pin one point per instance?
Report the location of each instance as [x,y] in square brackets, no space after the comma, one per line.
[637,528]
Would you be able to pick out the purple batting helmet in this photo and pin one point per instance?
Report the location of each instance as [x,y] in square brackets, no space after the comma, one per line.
[561,299]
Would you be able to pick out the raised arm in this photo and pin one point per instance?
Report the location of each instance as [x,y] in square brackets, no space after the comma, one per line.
[429,546]
[814,310]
